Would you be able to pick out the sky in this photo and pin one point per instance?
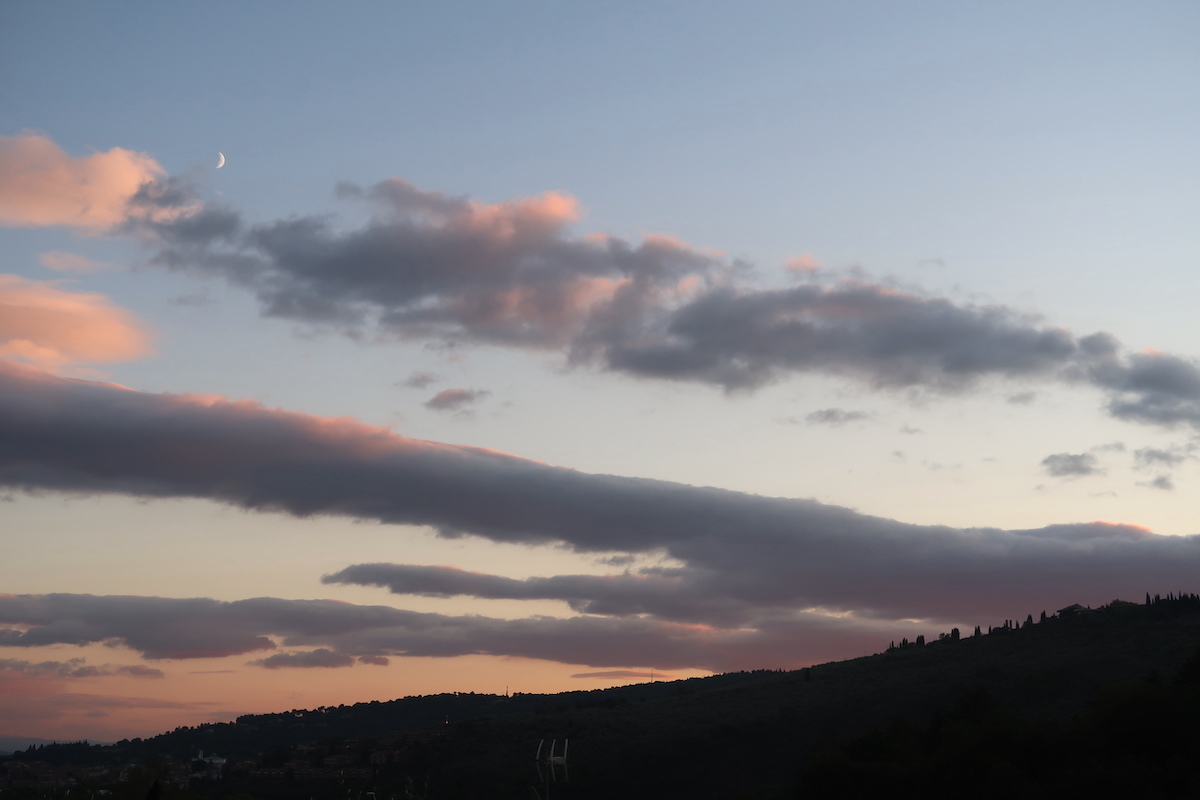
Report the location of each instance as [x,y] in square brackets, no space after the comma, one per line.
[535,347]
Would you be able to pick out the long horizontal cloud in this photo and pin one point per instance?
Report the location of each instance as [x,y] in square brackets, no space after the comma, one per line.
[321,658]
[664,594]
[739,556]
[77,668]
[428,265]
[889,337]
[432,266]
[204,628]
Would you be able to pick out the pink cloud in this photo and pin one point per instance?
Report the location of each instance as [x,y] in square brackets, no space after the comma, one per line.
[540,215]
[803,264]
[433,265]
[43,324]
[40,185]
[60,261]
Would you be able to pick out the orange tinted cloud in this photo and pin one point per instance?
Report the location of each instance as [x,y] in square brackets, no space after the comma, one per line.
[43,324]
[505,222]
[59,261]
[803,264]
[41,185]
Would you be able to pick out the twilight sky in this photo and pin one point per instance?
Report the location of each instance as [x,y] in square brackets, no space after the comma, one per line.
[535,346]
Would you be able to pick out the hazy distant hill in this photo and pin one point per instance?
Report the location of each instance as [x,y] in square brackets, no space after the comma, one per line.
[744,734]
[11,744]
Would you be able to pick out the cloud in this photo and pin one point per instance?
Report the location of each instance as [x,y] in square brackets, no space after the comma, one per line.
[663,594]
[321,657]
[59,261]
[455,399]
[44,324]
[803,264]
[40,185]
[141,671]
[420,380]
[1149,386]
[1168,458]
[77,668]
[451,269]
[739,558]
[456,271]
[1072,465]
[850,328]
[631,674]
[375,661]
[1021,398]
[74,668]
[1162,482]
[192,299]
[437,267]
[835,417]
[371,633]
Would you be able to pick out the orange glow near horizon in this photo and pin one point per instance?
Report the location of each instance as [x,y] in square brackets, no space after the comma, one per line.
[195,691]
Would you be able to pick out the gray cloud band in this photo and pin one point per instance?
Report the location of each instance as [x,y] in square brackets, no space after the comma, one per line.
[742,560]
[166,628]
[436,267]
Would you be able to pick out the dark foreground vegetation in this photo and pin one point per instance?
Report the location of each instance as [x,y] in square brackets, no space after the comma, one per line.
[1084,703]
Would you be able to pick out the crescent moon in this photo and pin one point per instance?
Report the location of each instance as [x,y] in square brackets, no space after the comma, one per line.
[220,160]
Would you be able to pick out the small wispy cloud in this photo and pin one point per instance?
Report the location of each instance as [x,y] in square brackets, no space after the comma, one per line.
[631,674]
[455,399]
[78,668]
[803,264]
[419,380]
[1163,458]
[322,657]
[61,261]
[1161,482]
[192,300]
[1072,465]
[1021,398]
[835,416]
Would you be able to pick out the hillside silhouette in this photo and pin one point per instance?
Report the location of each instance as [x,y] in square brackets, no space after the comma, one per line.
[1025,706]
